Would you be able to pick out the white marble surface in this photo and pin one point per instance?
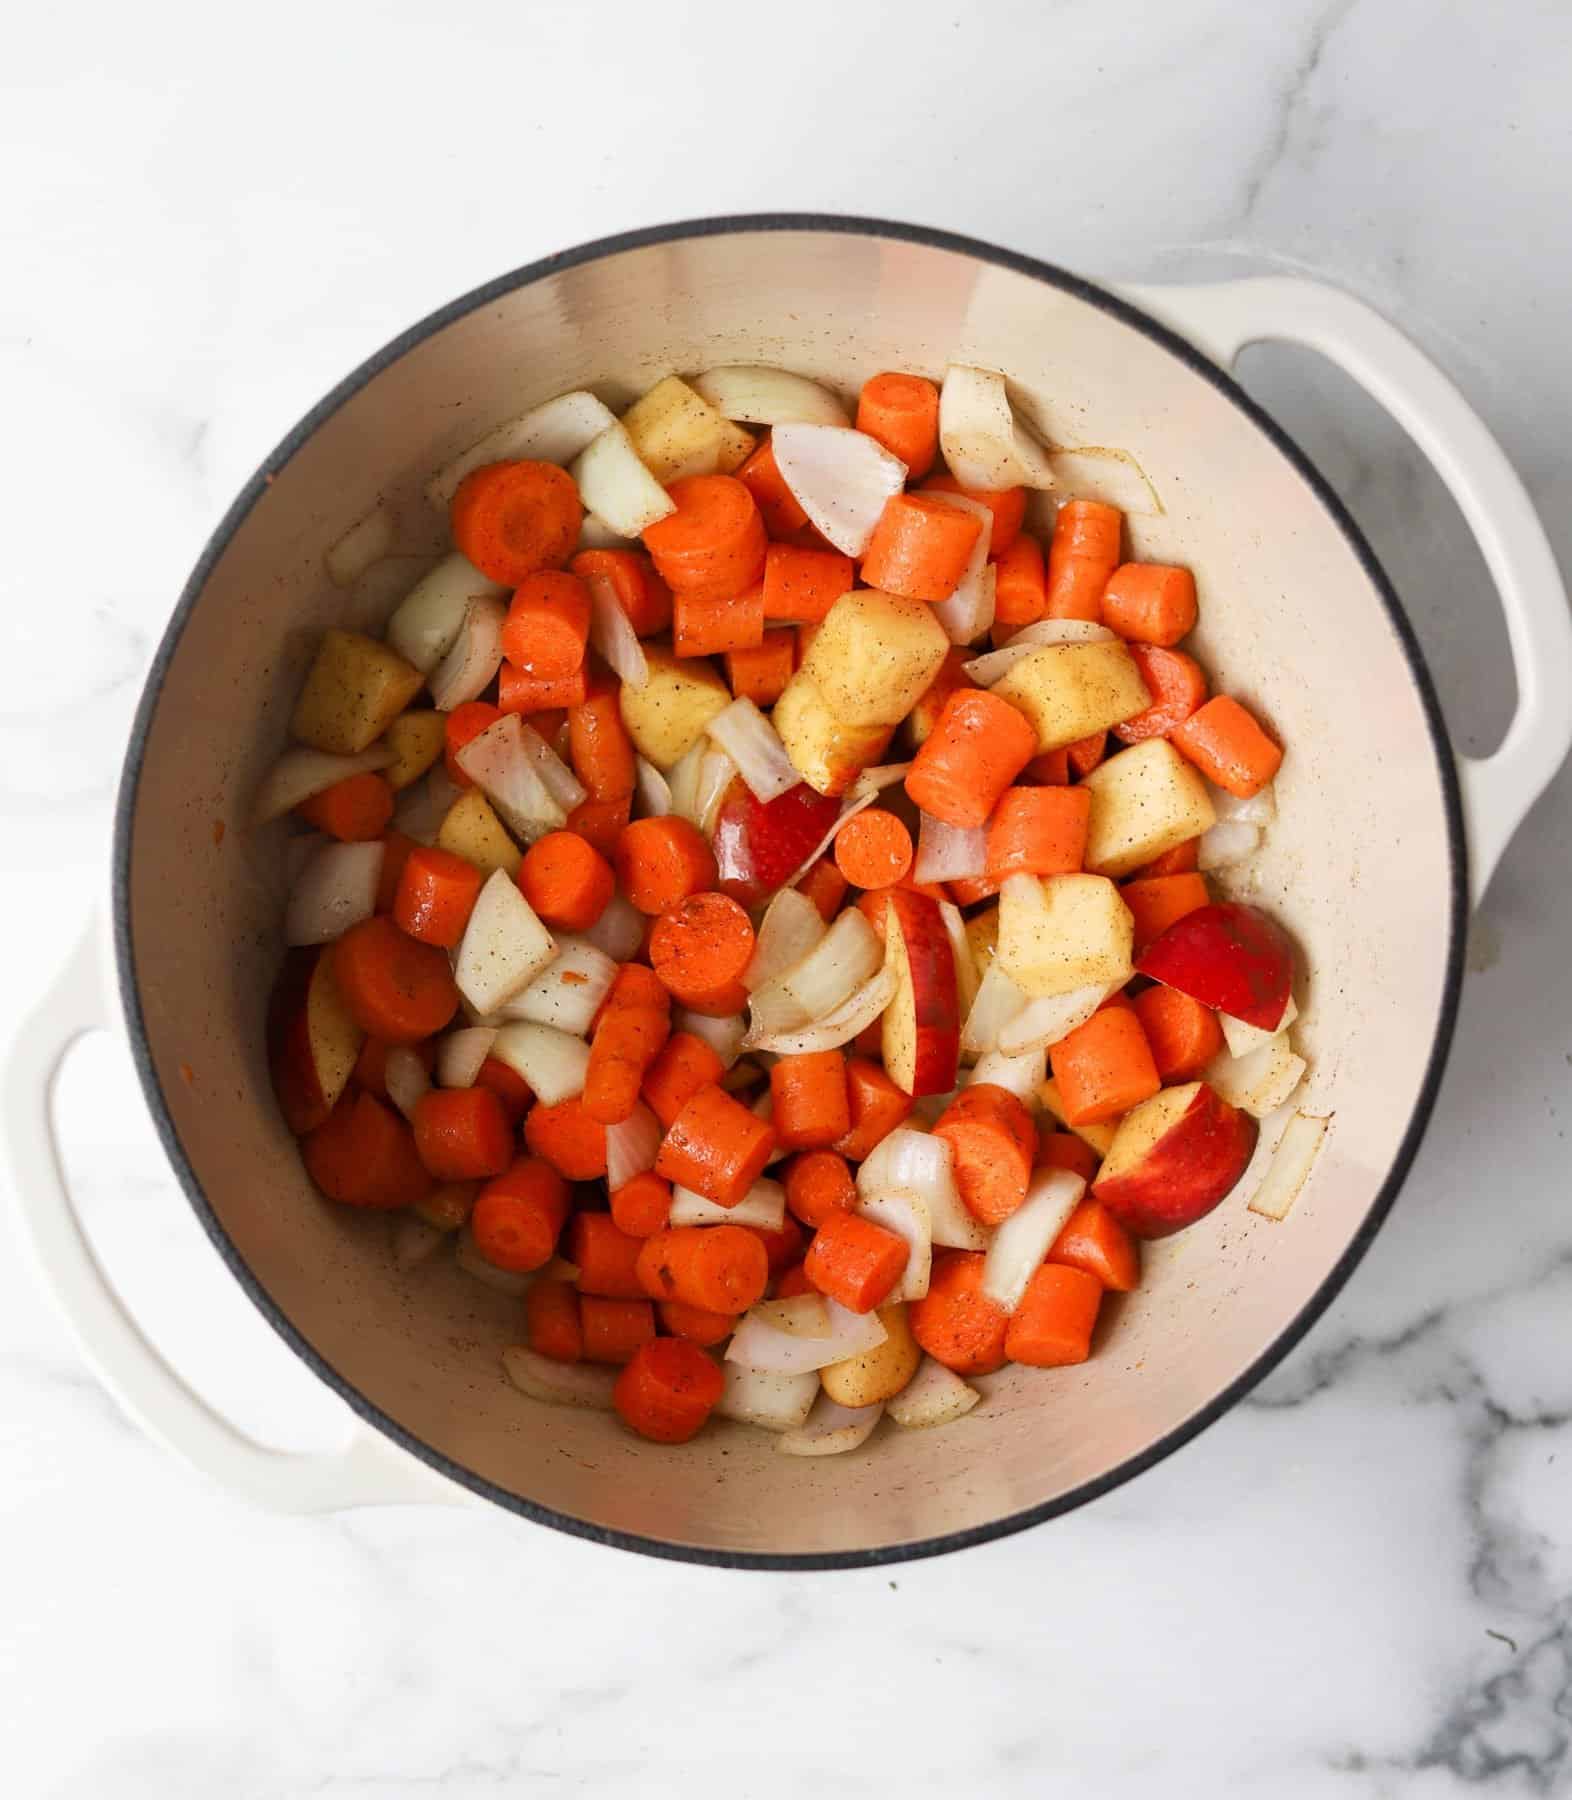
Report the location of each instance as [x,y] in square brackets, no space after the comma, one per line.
[1357,1585]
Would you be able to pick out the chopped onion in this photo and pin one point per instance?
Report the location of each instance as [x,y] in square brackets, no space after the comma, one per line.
[1290,1166]
[983,444]
[559,780]
[907,1216]
[470,667]
[831,1429]
[1259,1082]
[1242,1038]
[763,1207]
[299,774]
[1260,809]
[840,478]
[966,976]
[428,620]
[914,1162]
[367,541]
[596,534]
[948,852]
[792,925]
[615,485]
[968,612]
[993,667]
[753,744]
[568,992]
[1022,1074]
[612,634]
[553,1063]
[461,1054]
[336,889]
[759,1346]
[1022,1242]
[555,432]
[422,807]
[618,931]
[842,960]
[470,1260]
[505,763]
[414,1241]
[1049,1019]
[716,773]
[769,397]
[406,1080]
[1112,476]
[998,1002]
[1226,842]
[935,1395]
[559,1383]
[724,1036]
[759,1397]
[503,948]
[651,789]
[803,1315]
[631,1146]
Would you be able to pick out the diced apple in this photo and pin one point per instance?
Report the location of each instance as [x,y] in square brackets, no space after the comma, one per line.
[312,1039]
[666,717]
[1173,1158]
[1145,800]
[471,829]
[873,656]
[416,740]
[504,946]
[1259,1081]
[355,689]
[982,933]
[921,1030]
[1070,691]
[760,844]
[1230,957]
[825,751]
[677,432]
[1061,932]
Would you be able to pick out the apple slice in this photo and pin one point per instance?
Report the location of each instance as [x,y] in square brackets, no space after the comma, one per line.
[1230,957]
[760,844]
[312,1040]
[922,1032]
[1173,1159]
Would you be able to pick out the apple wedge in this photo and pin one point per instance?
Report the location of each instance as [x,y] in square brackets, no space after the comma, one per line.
[1173,1159]
[1230,957]
[922,1031]
[312,1040]
[1058,933]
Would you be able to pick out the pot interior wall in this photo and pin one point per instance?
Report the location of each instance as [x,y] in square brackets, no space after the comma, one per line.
[1357,865]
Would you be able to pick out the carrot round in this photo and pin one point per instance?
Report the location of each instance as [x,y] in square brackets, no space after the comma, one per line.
[600,823]
[512,518]
[551,1316]
[714,542]
[508,1085]
[520,692]
[783,1246]
[363,1154]
[518,1217]
[760,673]
[1049,768]
[1177,684]
[793,1282]
[825,886]
[721,1268]
[460,726]
[778,506]
[661,861]
[1064,1150]
[955,1322]
[568,1138]
[599,746]
[1083,553]
[695,1323]
[1181,860]
[462,1134]
[668,1390]
[809,1108]
[547,627]
[902,413]
[1094,1240]
[638,590]
[436,894]
[700,949]
[1008,506]
[876,1106]
[709,624]
[873,849]
[642,1205]
[567,881]
[818,1183]
[994,1144]
[1020,584]
[605,1256]
[1104,1067]
[394,987]
[920,547]
[353,810]
[613,1330]
[1052,1326]
[634,1023]
[1086,753]
[1183,1035]
[685,1065]
[855,1261]
[1156,901]
[802,585]
[1153,603]
[978,746]
[1038,831]
[715,1146]
[1226,744]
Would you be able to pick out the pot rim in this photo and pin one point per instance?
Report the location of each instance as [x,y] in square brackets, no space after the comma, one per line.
[722,226]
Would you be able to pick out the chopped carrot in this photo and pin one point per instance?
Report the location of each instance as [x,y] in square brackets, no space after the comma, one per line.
[714,542]
[363,1154]
[353,810]
[778,506]
[551,1312]
[615,1329]
[920,547]
[722,1268]
[808,1100]
[436,894]
[825,886]
[902,413]
[952,675]
[1183,1034]
[1008,506]
[967,892]
[519,1217]
[1181,860]
[685,1064]
[1094,1240]
[700,949]
[783,1246]
[855,1261]
[802,585]
[1064,1150]
[644,598]
[395,853]
[716,1146]
[994,1144]
[662,861]
[1052,1326]
[760,674]
[876,1106]
[460,727]
[1153,603]
[1049,768]
[508,1085]
[394,987]
[634,1023]
[547,628]
[1089,528]
[696,1323]
[566,880]
[599,745]
[794,1282]
[706,624]
[1226,744]
[601,823]
[568,1138]
[818,1182]
[1156,901]
[462,1134]
[1177,684]
[955,1322]
[512,518]
[873,849]
[1083,554]
[604,1255]
[1086,753]
[977,748]
[518,692]
[667,1391]
[1038,831]
[1020,584]
[1104,1067]
[642,1205]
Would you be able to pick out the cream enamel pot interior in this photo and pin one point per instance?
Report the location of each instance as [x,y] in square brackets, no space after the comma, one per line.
[1366,864]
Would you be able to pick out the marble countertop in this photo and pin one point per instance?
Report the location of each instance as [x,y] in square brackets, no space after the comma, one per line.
[1359,1583]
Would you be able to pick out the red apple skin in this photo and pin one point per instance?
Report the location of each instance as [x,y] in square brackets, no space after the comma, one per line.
[1229,957]
[759,845]
[932,965]
[1187,1172]
[305,1062]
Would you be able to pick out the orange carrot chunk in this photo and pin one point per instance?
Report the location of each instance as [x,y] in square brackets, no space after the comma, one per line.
[615,1329]
[818,1182]
[782,1247]
[1020,584]
[714,542]
[638,590]
[551,1314]
[600,823]
[902,413]
[568,1138]
[1156,901]
[778,506]
[855,1261]
[876,1107]
[634,1023]
[760,673]
[512,518]
[547,628]
[975,750]
[642,1205]
[1153,603]
[809,1108]
[706,624]
[605,1257]
[1177,684]
[518,1217]
[462,1134]
[436,894]
[566,881]
[599,745]
[920,547]
[1064,1150]
[956,1323]
[521,692]
[1104,1067]
[363,1154]
[1183,1034]
[508,1085]
[715,1146]
[700,949]
[395,988]
[661,861]
[1008,506]
[1181,860]
[721,1268]
[1052,1326]
[994,1144]
[802,585]
[696,1323]
[1038,831]
[1084,552]
[353,810]
[667,1391]
[1226,744]
[873,849]
[685,1065]
[825,886]
[1094,1240]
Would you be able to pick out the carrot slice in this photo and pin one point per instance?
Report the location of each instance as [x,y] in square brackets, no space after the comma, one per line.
[825,886]
[547,628]
[601,823]
[994,1144]
[700,949]
[436,894]
[818,1182]
[1049,768]
[714,542]
[876,1106]
[632,1028]
[614,1330]
[696,1323]
[512,518]
[782,1247]
[1064,1150]
[685,1065]
[715,1146]
[1038,831]
[519,1217]
[1052,1326]
[353,810]
[1177,684]
[395,988]
[1226,744]
[955,1322]
[605,1256]
[661,861]
[1020,584]
[568,1138]
[668,1390]
[566,880]
[641,1206]
[1183,1034]
[920,547]
[637,589]
[722,1268]
[975,750]
[1008,506]
[462,725]
[1156,901]
[1094,1240]
[551,1313]
[1104,1067]
[1181,860]
[778,506]
[809,1107]
[902,413]
[520,692]
[363,1154]
[706,624]
[1151,602]
[855,1261]
[1083,554]
[760,673]
[508,1085]
[802,585]
[462,1134]
[873,849]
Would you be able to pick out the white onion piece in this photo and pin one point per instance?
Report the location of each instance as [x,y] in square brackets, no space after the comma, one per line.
[841,479]
[1021,1074]
[763,1206]
[948,852]
[968,612]
[503,948]
[724,1036]
[615,485]
[555,432]
[426,624]
[422,807]
[596,534]
[406,1080]
[568,992]
[1259,1082]
[504,762]
[753,744]
[831,1429]
[1260,809]
[758,396]
[414,1241]
[1112,476]
[803,1315]
[1049,1019]
[876,779]
[1290,1166]
[367,541]
[295,852]
[470,667]
[1024,1239]
[997,1003]
[907,1216]
[1225,843]
[470,1260]
[553,1063]
[935,1395]
[986,670]
[759,1397]
[336,889]
[966,975]
[791,927]
[651,790]
[618,931]
[460,1055]
[631,1146]
[300,774]
[716,773]
[612,634]
[559,1383]
[914,1162]
[759,1346]
[842,960]
[983,444]
[1241,1038]
[556,777]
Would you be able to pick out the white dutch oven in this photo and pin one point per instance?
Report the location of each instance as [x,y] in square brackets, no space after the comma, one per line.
[1382,840]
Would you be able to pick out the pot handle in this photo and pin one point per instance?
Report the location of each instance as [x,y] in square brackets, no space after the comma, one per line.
[368,1471]
[1221,318]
